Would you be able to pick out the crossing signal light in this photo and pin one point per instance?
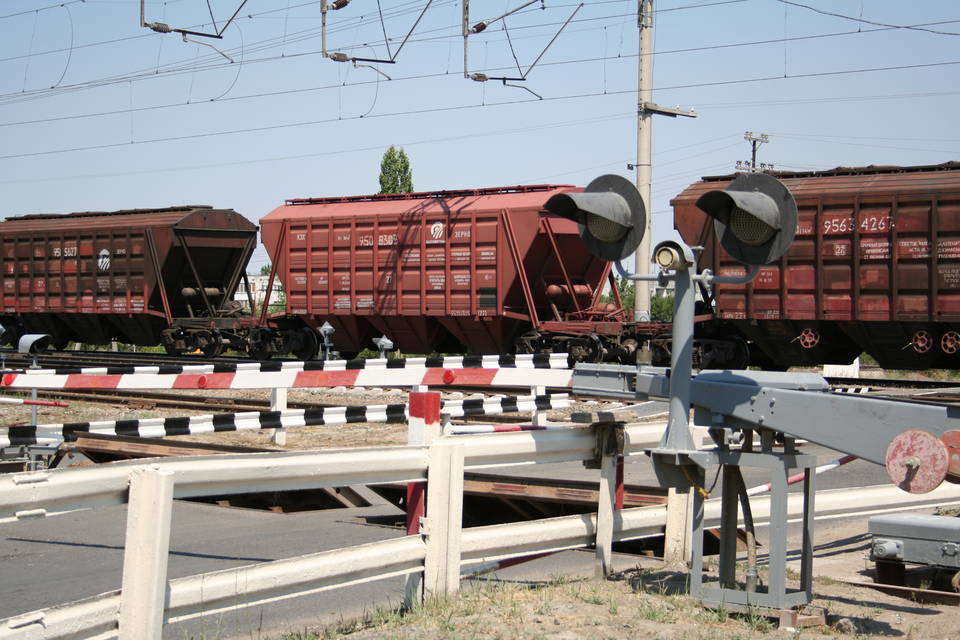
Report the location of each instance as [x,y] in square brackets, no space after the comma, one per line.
[610,213]
[755,217]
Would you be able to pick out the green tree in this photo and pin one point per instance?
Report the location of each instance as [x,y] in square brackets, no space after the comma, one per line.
[395,173]
[626,289]
[661,308]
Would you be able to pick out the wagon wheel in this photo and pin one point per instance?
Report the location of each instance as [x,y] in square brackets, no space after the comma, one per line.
[260,352]
[741,354]
[172,350]
[809,338]
[304,344]
[922,341]
[950,342]
[214,345]
[12,335]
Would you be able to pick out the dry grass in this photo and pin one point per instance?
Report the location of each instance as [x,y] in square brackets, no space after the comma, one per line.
[637,603]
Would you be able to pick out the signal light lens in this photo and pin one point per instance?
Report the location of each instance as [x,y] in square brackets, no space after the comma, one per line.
[749,229]
[606,230]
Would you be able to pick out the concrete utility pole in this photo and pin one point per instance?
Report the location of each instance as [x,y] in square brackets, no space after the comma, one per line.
[641,299]
[645,109]
[755,142]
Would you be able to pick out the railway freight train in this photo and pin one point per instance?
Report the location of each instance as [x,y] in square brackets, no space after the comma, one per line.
[875,268]
[485,270]
[144,277]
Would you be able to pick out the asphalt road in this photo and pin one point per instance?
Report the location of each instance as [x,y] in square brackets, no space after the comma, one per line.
[80,554]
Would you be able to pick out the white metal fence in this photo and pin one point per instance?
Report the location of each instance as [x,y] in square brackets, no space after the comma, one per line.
[147,599]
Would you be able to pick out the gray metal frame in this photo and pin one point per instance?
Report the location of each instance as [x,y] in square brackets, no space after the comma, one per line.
[734,406]
[729,593]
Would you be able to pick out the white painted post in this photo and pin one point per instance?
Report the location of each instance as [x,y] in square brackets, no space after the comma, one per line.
[419,429]
[539,418]
[678,529]
[851,370]
[147,546]
[606,508]
[677,547]
[444,520]
[278,402]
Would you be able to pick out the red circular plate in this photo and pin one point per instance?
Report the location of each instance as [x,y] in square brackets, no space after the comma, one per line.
[952,440]
[917,461]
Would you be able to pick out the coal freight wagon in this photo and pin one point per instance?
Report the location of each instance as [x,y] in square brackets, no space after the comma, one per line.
[485,270]
[144,277]
[875,268]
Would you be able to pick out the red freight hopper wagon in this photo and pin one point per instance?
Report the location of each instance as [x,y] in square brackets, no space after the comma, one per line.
[875,267]
[143,276]
[487,270]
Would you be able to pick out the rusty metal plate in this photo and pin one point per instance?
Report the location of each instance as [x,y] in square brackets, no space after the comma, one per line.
[917,461]
[952,440]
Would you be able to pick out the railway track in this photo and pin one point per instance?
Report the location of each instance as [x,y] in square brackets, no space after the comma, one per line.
[892,383]
[158,399]
[14,360]
[213,404]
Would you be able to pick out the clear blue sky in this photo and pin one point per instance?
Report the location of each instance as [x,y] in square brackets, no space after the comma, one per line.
[97,113]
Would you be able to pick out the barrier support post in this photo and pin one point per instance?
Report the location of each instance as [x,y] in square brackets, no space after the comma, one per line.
[677,548]
[441,567]
[610,440]
[678,530]
[539,418]
[423,427]
[145,554]
[278,402]
[34,410]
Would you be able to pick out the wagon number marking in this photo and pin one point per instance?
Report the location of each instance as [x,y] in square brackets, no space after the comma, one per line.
[867,225]
[383,240]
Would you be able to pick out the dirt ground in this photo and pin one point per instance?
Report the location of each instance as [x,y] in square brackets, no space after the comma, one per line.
[643,599]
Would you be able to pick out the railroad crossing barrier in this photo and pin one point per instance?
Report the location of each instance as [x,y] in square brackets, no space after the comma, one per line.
[39,403]
[278,419]
[548,370]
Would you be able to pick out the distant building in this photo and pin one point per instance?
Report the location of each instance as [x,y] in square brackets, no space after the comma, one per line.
[258,289]
[660,291]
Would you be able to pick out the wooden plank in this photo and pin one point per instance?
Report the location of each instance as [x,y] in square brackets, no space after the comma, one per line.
[565,491]
[911,593]
[102,446]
